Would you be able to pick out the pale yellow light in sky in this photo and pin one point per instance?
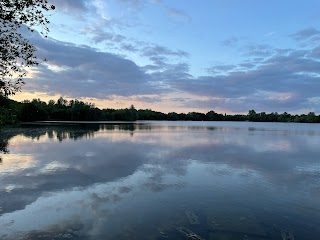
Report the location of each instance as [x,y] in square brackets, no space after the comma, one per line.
[15,162]
[162,103]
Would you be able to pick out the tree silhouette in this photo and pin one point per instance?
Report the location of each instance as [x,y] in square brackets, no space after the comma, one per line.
[16,52]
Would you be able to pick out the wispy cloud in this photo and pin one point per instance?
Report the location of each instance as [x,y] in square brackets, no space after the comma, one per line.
[76,8]
[305,34]
[177,14]
[157,50]
[171,12]
[230,42]
[259,50]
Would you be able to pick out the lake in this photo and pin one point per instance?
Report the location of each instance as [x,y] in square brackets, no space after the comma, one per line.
[160,180]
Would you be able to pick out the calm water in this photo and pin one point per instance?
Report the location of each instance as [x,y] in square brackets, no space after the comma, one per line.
[160,180]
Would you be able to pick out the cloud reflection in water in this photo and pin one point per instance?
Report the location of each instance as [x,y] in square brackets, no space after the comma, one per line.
[102,179]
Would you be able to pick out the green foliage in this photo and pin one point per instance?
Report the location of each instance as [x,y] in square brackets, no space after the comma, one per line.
[32,112]
[252,116]
[194,116]
[148,114]
[8,111]
[75,110]
[16,52]
[4,116]
[213,116]
[172,116]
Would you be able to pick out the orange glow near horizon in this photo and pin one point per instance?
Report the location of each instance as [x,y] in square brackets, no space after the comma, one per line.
[165,103]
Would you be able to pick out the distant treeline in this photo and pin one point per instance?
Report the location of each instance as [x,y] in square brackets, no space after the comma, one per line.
[74,110]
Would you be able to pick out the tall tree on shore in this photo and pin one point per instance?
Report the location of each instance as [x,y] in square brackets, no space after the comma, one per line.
[16,52]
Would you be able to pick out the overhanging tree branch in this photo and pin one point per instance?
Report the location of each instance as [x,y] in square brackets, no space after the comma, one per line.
[16,52]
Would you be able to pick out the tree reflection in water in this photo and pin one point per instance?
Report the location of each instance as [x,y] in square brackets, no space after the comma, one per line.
[72,131]
[239,181]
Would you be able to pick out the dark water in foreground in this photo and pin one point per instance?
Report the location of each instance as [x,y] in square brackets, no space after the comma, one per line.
[160,180]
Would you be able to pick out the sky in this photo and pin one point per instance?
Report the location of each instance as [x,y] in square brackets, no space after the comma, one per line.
[228,56]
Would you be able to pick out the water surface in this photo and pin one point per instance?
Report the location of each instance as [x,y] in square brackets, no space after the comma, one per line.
[160,180]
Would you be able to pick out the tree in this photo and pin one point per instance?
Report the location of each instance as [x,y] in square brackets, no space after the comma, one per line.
[213,116]
[252,115]
[133,113]
[311,117]
[32,112]
[16,52]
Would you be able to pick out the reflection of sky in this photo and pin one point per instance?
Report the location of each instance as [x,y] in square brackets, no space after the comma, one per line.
[15,163]
[59,207]
[110,176]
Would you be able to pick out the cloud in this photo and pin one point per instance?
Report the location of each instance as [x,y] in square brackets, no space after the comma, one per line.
[178,14]
[267,102]
[78,7]
[230,42]
[129,47]
[259,50]
[247,65]
[133,2]
[108,31]
[105,36]
[315,53]
[160,56]
[258,82]
[163,59]
[147,99]
[171,12]
[307,37]
[84,71]
[172,73]
[78,71]
[156,50]
[292,75]
[103,31]
[220,69]
[305,34]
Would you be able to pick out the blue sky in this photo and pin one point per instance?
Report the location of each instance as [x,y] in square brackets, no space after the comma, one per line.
[228,56]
